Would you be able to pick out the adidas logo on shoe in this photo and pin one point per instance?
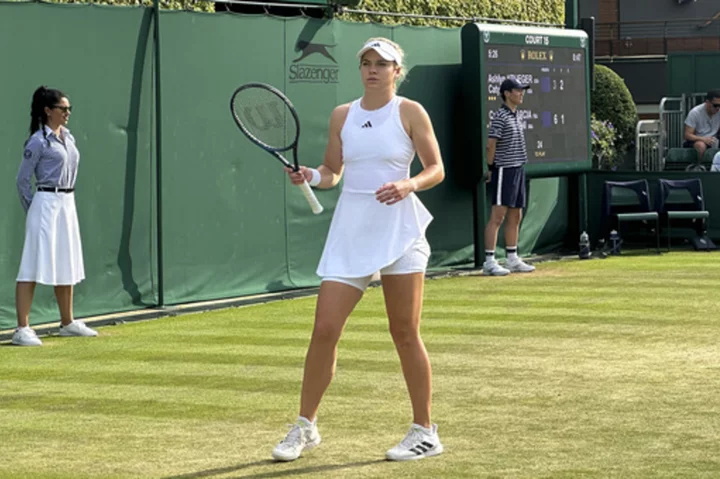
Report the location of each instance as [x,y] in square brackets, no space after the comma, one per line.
[417,444]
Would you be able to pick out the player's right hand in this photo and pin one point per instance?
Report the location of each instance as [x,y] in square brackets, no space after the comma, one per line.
[488,176]
[299,177]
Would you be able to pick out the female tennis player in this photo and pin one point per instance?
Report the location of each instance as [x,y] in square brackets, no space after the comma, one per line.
[52,253]
[379,225]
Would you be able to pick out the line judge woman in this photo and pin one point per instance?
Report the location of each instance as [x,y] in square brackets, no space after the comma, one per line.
[379,225]
[52,253]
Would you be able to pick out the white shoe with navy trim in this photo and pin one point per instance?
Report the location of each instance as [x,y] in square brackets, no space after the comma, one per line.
[419,443]
[25,337]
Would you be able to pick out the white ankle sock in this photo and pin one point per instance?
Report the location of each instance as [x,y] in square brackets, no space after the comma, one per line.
[305,421]
[427,430]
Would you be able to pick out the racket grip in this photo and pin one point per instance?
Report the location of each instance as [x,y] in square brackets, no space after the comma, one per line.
[311,198]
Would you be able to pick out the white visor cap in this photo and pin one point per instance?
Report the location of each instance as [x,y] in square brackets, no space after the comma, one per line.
[384,49]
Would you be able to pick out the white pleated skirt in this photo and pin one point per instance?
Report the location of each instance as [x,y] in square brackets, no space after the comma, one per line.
[52,253]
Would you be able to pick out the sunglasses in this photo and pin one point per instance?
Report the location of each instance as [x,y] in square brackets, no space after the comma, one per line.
[68,109]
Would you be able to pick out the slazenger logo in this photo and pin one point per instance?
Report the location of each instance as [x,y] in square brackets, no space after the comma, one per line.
[305,72]
[310,48]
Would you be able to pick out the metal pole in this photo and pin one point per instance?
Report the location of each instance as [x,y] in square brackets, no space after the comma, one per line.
[158,155]
[571,13]
[583,201]
[480,219]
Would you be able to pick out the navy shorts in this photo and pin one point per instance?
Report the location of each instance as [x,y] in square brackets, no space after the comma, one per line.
[691,144]
[507,187]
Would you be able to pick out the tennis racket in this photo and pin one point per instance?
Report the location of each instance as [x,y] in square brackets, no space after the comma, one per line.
[269,120]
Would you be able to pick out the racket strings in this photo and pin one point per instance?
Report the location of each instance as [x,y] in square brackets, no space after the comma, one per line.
[266,117]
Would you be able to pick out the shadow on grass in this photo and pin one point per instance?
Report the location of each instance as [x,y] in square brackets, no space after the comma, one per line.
[283,473]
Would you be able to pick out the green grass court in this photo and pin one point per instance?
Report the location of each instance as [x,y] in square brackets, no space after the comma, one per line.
[583,369]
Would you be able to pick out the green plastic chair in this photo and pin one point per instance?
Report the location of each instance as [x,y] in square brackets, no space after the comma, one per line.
[683,200]
[629,201]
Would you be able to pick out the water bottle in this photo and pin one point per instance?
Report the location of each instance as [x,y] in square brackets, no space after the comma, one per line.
[614,242]
[584,246]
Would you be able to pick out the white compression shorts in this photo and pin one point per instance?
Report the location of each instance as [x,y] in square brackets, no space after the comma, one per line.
[414,261]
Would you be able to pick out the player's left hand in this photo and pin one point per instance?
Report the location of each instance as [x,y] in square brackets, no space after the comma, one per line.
[391,193]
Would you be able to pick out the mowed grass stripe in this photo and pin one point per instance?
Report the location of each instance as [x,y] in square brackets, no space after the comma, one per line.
[593,368]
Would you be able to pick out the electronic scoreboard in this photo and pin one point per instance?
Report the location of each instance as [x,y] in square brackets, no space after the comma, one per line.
[555,113]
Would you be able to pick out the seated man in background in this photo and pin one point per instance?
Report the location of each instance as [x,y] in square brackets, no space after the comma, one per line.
[702,125]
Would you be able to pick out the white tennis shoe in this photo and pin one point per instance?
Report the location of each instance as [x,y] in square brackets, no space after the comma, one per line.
[519,266]
[25,337]
[493,268]
[419,443]
[303,435]
[77,328]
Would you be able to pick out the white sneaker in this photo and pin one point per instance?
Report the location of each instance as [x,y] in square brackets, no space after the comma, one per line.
[77,328]
[25,337]
[302,436]
[492,268]
[418,443]
[519,266]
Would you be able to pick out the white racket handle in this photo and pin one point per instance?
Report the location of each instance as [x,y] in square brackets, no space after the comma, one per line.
[311,198]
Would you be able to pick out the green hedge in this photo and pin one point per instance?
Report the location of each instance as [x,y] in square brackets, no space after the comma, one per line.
[612,101]
[544,11]
[193,5]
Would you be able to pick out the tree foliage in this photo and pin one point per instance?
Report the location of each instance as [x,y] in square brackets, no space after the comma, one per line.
[543,11]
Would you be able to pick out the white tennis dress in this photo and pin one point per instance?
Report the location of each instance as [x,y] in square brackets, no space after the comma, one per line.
[366,235]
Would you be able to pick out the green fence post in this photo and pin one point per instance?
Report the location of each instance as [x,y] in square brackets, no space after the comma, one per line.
[583,201]
[571,13]
[158,154]
[480,219]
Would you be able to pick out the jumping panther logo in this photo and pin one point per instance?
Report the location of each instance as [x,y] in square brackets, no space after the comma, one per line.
[310,48]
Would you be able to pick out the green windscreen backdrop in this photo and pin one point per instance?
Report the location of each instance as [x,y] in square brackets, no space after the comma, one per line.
[232,224]
[103,61]
[227,201]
